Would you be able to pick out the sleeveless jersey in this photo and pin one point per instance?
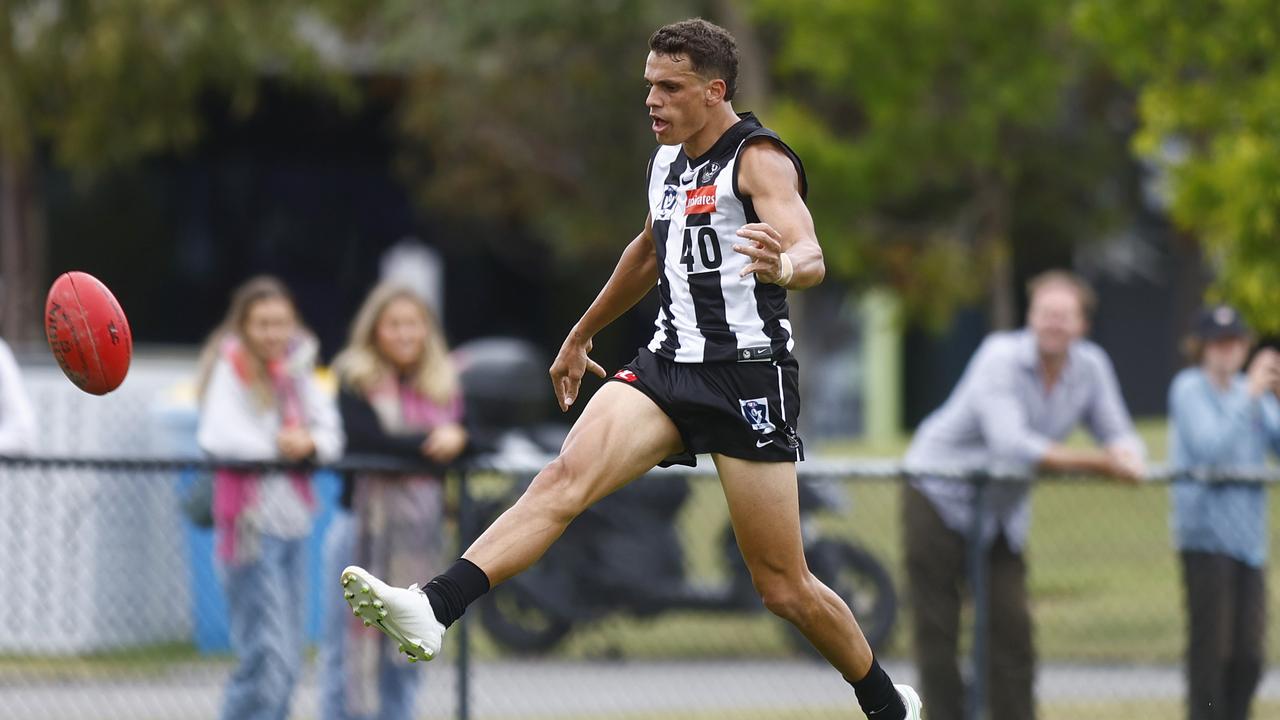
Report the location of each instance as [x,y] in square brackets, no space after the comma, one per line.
[707,312]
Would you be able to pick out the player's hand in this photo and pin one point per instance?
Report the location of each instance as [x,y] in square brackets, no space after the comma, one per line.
[295,443]
[1126,464]
[570,365]
[764,246]
[445,443]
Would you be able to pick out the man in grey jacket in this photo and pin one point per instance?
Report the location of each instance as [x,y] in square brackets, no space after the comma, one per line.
[1021,395]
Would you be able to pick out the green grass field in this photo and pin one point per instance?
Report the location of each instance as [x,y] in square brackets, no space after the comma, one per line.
[147,660]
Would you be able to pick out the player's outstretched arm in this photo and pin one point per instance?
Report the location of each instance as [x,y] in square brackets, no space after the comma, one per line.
[632,278]
[767,175]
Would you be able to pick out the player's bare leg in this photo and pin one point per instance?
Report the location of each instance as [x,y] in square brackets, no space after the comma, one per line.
[620,436]
[764,506]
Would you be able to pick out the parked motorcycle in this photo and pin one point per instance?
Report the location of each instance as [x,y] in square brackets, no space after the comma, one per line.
[624,555]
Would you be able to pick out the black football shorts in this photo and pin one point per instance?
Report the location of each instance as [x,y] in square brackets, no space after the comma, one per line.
[744,410]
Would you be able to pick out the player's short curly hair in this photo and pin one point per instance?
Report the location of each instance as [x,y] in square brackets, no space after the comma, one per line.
[711,49]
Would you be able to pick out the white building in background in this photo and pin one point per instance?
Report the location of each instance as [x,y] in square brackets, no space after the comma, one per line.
[95,537]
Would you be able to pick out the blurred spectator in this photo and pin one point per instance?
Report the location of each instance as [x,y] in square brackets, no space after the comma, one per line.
[400,397]
[17,419]
[1023,392]
[259,401]
[1222,420]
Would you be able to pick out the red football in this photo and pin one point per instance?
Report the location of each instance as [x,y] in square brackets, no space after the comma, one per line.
[87,332]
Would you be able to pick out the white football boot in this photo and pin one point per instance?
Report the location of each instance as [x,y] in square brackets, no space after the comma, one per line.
[911,700]
[404,615]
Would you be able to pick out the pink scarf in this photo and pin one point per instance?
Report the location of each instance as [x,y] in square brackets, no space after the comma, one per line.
[233,490]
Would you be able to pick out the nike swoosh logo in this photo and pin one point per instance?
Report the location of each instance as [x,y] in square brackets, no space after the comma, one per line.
[762,443]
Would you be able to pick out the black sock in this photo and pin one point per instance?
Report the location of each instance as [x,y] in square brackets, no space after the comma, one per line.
[877,696]
[458,587]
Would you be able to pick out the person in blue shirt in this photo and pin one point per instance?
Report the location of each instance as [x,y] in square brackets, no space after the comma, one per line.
[1222,420]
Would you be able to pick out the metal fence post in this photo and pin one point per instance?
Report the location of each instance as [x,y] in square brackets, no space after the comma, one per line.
[464,637]
[981,602]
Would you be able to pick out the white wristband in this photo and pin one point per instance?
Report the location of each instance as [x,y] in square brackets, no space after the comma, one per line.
[788,270]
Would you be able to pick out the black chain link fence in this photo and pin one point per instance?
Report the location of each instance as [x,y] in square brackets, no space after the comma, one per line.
[114,607]
[642,610]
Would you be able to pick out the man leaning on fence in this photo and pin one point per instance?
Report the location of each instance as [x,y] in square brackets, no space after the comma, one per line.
[1022,393]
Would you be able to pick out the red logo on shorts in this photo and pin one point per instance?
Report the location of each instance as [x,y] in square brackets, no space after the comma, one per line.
[700,200]
[626,376]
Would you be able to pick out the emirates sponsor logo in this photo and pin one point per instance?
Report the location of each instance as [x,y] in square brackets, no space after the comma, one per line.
[700,200]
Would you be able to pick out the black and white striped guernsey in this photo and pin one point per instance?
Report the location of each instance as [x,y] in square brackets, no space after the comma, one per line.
[707,312]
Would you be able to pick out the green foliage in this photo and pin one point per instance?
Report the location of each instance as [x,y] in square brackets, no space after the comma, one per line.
[103,83]
[531,115]
[937,137]
[1209,104]
[94,85]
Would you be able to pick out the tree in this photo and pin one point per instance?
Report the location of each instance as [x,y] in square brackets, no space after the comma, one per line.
[1209,105]
[941,139]
[94,86]
[529,118]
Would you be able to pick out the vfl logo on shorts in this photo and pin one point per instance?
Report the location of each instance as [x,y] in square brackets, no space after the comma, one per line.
[756,411]
[626,376]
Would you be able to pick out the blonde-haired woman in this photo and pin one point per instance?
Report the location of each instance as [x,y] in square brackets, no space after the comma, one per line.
[259,401]
[400,398]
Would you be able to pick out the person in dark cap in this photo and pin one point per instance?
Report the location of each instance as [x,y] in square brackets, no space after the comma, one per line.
[1223,421]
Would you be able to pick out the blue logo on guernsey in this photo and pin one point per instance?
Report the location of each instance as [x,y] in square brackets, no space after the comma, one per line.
[756,411]
[668,205]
